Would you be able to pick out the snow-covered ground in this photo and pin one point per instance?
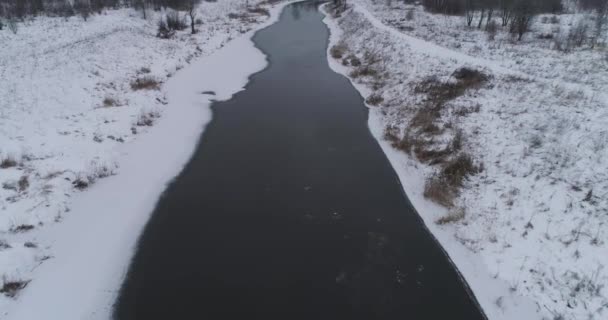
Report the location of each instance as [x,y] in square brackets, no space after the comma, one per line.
[69,116]
[528,231]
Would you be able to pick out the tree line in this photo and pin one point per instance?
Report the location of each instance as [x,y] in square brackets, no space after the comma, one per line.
[12,11]
[517,15]
[20,9]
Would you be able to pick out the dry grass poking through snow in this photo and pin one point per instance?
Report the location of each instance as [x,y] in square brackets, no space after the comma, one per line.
[426,134]
[60,128]
[145,83]
[524,155]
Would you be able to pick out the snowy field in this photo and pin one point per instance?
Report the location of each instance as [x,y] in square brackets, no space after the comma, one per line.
[527,229]
[79,101]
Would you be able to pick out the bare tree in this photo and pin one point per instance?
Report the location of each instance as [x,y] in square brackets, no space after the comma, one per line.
[506,11]
[523,13]
[455,7]
[600,20]
[469,8]
[483,12]
[578,34]
[192,6]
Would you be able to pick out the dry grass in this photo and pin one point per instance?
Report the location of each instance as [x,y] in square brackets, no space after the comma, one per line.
[444,187]
[338,50]
[442,92]
[374,99]
[391,134]
[145,83]
[437,190]
[427,152]
[259,10]
[453,216]
[364,71]
[425,120]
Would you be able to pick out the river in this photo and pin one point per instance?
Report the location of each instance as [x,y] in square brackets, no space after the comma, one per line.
[289,209]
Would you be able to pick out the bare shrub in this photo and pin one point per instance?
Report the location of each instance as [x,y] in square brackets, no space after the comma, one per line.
[391,134]
[175,22]
[374,99]
[522,14]
[554,20]
[354,61]
[492,30]
[363,71]
[471,77]
[578,35]
[560,44]
[145,83]
[30,244]
[109,102]
[81,182]
[23,183]
[409,15]
[259,10]
[147,118]
[12,25]
[458,169]
[372,57]
[338,50]
[163,30]
[11,288]
[10,185]
[4,245]
[457,141]
[536,142]
[84,180]
[22,228]
[8,162]
[100,171]
[338,7]
[144,70]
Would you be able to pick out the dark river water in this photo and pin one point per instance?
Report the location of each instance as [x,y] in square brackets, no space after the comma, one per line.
[289,209]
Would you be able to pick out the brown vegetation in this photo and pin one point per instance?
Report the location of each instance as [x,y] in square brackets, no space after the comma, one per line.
[145,83]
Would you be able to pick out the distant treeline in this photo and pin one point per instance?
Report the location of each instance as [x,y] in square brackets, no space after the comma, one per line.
[458,7]
[519,14]
[19,9]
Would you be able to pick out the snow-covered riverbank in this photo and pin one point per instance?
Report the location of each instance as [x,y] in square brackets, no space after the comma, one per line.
[527,230]
[70,116]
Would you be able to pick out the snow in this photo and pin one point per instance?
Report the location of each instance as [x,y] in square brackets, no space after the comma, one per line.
[529,246]
[54,124]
